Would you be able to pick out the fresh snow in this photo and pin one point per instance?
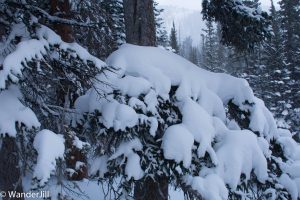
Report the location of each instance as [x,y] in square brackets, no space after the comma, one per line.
[238,153]
[177,143]
[35,49]
[200,96]
[290,185]
[133,166]
[99,165]
[210,187]
[291,148]
[50,147]
[200,124]
[290,179]
[13,112]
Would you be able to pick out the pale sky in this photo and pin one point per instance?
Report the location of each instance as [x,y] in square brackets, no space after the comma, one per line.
[196,4]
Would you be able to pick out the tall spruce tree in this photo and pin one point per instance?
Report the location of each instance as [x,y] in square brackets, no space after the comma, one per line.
[243,24]
[105,30]
[161,32]
[213,52]
[173,39]
[290,25]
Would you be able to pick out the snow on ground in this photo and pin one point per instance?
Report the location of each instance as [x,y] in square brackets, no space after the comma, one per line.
[89,190]
[83,190]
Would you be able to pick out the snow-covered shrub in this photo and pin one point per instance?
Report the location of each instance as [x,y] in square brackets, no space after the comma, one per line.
[164,116]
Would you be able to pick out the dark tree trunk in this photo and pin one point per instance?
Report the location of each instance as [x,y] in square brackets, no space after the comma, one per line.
[10,176]
[148,189]
[65,92]
[139,22]
[61,8]
[140,30]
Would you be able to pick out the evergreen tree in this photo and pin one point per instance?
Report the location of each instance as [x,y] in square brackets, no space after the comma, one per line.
[189,51]
[193,57]
[41,76]
[210,55]
[161,32]
[185,47]
[273,47]
[105,30]
[173,39]
[213,52]
[290,18]
[243,24]
[290,25]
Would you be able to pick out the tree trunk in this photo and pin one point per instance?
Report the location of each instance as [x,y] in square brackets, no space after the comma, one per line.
[10,176]
[148,189]
[140,30]
[61,8]
[139,22]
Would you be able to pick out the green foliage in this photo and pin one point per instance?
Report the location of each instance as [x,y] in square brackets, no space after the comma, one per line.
[173,39]
[242,25]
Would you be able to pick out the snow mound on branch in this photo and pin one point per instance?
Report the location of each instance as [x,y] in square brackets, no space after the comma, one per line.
[262,120]
[290,178]
[177,143]
[147,76]
[290,185]
[118,116]
[133,167]
[114,114]
[238,153]
[164,69]
[12,111]
[210,187]
[99,165]
[200,124]
[291,148]
[133,86]
[293,169]
[35,49]
[50,147]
